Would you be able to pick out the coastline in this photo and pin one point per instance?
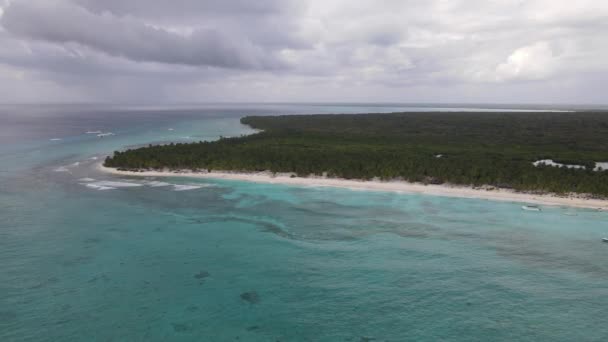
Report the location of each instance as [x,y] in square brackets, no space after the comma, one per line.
[494,194]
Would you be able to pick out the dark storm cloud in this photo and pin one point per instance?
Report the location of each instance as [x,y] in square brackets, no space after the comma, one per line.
[62,23]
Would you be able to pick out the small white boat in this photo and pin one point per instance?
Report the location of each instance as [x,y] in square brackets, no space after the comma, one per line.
[605,239]
[530,208]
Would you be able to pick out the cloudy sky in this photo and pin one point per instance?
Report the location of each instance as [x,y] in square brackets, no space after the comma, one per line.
[148,51]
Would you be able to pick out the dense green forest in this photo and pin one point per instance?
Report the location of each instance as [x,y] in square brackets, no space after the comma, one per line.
[460,148]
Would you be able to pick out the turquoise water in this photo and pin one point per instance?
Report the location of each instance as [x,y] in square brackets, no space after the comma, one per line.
[202,260]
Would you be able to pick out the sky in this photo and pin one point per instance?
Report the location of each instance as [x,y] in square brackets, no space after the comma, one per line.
[431,51]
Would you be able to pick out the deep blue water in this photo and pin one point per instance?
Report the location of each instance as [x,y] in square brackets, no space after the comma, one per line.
[192,260]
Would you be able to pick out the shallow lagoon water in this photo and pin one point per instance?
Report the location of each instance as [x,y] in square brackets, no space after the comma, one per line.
[227,260]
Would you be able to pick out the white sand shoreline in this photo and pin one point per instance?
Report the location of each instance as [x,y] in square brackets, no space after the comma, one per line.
[505,195]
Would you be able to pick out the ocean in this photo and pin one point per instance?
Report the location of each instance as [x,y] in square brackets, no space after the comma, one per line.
[87,256]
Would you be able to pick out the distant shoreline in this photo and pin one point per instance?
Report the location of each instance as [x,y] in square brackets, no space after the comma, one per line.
[490,193]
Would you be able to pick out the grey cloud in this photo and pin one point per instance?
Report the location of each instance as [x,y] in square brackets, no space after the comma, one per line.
[385,38]
[268,23]
[281,50]
[63,23]
[187,8]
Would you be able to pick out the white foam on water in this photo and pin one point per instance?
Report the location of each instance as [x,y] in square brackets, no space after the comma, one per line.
[94,132]
[108,185]
[157,184]
[101,135]
[115,184]
[55,139]
[86,179]
[180,187]
[97,187]
[66,168]
[93,158]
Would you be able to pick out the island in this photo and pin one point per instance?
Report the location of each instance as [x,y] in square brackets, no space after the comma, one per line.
[558,153]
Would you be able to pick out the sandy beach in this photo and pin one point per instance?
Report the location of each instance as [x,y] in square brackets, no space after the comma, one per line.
[488,193]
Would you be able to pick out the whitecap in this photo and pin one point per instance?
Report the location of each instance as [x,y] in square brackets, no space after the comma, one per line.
[115,184]
[61,169]
[108,185]
[94,132]
[75,164]
[86,179]
[157,184]
[98,187]
[93,158]
[179,187]
[55,139]
[101,135]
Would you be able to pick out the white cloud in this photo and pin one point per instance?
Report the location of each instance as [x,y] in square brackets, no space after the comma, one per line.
[532,62]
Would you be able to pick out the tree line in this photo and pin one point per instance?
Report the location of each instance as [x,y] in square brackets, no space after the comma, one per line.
[459,148]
